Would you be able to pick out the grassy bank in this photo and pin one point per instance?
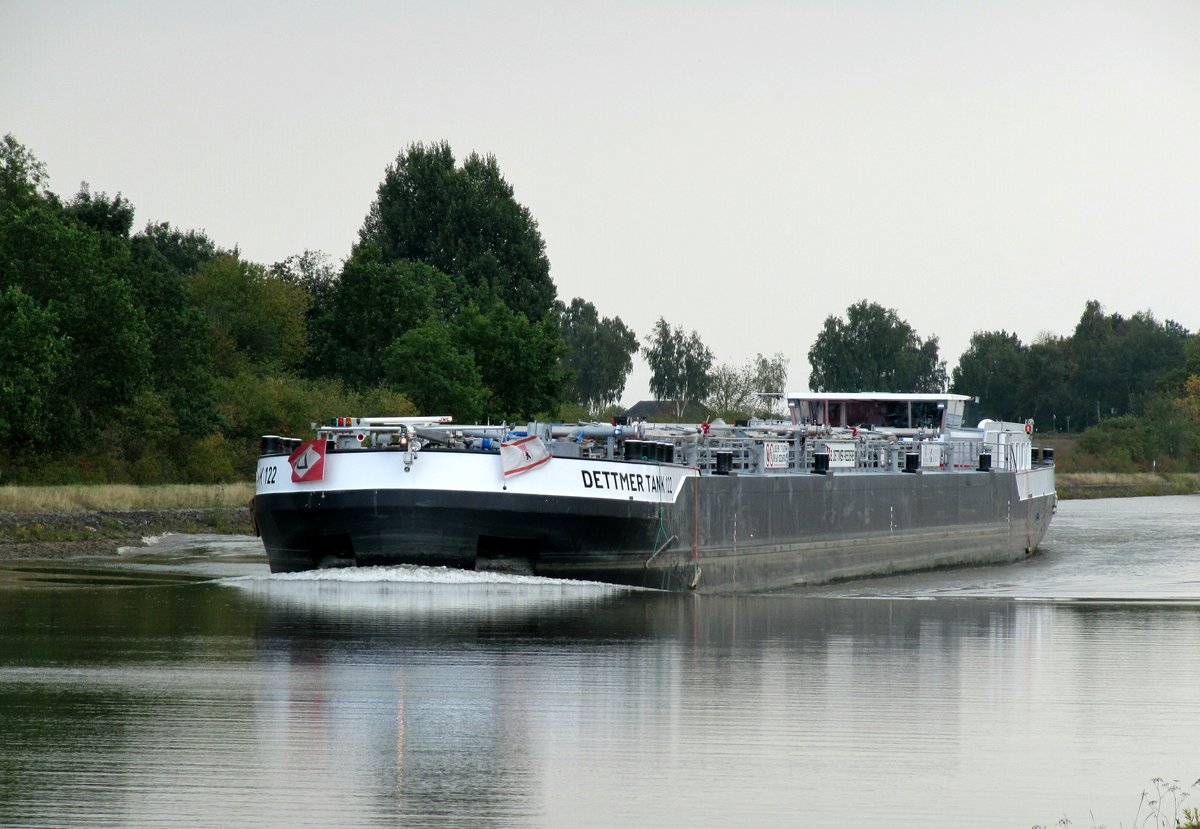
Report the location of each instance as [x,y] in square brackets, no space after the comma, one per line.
[1121,484]
[123,498]
[38,522]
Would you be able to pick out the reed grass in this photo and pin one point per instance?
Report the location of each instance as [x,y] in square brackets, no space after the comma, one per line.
[1163,808]
[1116,484]
[123,497]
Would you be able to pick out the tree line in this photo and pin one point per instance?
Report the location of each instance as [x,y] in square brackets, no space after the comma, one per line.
[157,355]
[1130,385]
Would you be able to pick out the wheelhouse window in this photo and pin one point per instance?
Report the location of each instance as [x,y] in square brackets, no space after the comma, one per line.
[892,412]
[927,414]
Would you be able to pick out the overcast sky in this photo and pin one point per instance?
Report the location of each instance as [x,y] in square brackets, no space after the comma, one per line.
[741,169]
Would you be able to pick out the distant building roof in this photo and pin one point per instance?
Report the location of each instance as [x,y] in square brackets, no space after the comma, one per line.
[653,410]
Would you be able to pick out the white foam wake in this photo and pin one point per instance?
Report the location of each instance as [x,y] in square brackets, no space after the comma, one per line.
[414,574]
[409,591]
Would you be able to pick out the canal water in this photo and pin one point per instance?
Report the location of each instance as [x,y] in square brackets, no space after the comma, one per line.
[181,685]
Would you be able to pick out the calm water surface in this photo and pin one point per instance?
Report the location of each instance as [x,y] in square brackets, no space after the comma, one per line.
[183,685]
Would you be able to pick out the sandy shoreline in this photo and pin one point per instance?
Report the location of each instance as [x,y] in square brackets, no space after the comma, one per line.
[52,535]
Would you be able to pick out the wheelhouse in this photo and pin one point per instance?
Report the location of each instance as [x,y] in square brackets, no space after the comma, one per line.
[878,410]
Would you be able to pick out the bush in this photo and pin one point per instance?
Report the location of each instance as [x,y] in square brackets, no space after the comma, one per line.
[252,405]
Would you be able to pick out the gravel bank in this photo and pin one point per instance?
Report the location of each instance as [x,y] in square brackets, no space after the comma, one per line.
[43,535]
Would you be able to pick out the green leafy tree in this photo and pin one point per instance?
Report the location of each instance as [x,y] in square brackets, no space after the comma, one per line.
[736,392]
[874,350]
[114,217]
[439,376]
[181,250]
[80,277]
[181,351]
[769,375]
[1045,392]
[1094,361]
[133,348]
[680,365]
[729,391]
[23,178]
[144,440]
[1148,351]
[519,361]
[255,319]
[463,221]
[447,242]
[1166,438]
[991,369]
[1191,356]
[1118,361]
[312,270]
[31,356]
[254,402]
[599,353]
[371,305]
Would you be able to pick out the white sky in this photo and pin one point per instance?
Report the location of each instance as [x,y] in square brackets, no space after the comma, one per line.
[742,169]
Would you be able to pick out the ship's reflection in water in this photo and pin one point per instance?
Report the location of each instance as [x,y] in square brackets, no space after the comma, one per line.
[524,703]
[413,697]
[431,683]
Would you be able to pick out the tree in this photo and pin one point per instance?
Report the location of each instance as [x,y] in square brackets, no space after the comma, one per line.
[463,221]
[113,217]
[132,343]
[769,375]
[82,279]
[1191,354]
[31,356]
[181,350]
[371,305]
[736,392]
[183,251]
[435,373]
[312,270]
[1093,352]
[22,177]
[1148,351]
[518,360]
[992,369]
[256,403]
[449,242]
[494,363]
[1118,361]
[255,319]
[679,365]
[874,350]
[729,391]
[599,353]
[1045,384]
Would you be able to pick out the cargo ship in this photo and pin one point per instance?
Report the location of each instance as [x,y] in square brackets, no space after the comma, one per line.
[845,486]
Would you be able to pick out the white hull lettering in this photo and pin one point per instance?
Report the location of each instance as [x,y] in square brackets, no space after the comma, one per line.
[628,481]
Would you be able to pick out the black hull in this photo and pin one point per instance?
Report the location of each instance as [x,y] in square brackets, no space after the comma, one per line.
[722,534]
